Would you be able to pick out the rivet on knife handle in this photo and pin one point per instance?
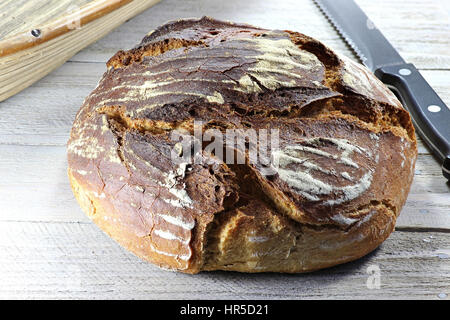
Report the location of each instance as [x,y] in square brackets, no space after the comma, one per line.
[429,113]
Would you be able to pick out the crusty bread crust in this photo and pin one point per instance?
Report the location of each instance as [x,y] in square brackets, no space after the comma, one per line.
[346,155]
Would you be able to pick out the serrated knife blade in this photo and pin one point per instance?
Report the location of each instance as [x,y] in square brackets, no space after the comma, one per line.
[360,33]
[430,115]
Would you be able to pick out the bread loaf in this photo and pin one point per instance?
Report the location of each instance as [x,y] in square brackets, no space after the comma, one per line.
[330,193]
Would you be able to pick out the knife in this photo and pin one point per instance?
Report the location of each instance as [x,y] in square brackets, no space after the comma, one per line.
[429,114]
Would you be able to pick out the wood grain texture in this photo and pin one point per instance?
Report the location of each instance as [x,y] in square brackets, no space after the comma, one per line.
[55,18]
[50,249]
[19,16]
[76,260]
[25,58]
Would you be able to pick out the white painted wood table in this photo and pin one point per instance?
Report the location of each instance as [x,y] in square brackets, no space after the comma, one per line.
[50,249]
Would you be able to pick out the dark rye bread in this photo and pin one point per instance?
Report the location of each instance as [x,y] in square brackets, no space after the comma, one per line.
[346,155]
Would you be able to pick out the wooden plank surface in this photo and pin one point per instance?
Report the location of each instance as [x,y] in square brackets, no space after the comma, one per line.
[19,16]
[93,267]
[50,249]
[27,56]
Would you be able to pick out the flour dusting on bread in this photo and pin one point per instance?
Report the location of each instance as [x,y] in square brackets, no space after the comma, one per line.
[342,165]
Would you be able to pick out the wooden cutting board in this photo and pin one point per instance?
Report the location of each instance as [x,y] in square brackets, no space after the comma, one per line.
[37,36]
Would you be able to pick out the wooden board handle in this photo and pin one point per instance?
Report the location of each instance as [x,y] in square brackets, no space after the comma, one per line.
[66,23]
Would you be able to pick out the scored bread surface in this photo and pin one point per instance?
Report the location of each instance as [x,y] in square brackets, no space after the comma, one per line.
[346,151]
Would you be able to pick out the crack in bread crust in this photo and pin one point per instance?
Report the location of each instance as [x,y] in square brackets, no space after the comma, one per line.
[341,132]
[124,58]
[255,238]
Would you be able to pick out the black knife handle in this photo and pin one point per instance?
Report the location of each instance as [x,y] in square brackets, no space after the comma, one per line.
[429,113]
